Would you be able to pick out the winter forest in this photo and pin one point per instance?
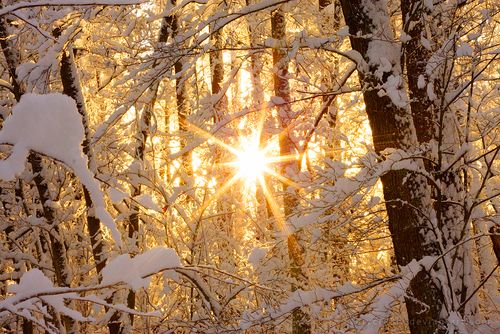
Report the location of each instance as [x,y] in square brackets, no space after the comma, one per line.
[250,166]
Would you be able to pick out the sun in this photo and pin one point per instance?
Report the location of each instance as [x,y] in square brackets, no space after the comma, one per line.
[251,162]
[254,165]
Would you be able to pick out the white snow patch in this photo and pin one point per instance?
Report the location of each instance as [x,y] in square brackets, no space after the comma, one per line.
[34,220]
[393,89]
[34,282]
[147,201]
[381,307]
[404,37]
[429,4]
[135,271]
[343,32]
[257,255]
[465,50]
[430,91]
[51,125]
[116,195]
[421,81]
[426,43]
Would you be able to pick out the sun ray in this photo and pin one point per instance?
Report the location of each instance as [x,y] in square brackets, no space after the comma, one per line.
[207,135]
[252,161]
[283,179]
[216,195]
[273,205]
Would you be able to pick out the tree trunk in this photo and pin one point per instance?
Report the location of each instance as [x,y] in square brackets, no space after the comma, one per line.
[407,194]
[300,320]
[170,28]
[58,252]
[72,87]
[435,127]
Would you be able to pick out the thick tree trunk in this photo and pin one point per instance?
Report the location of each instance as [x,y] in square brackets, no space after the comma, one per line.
[407,194]
[437,133]
[300,320]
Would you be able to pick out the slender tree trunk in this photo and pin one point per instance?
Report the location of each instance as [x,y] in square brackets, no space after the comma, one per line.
[334,253]
[300,320]
[219,108]
[170,29]
[407,194]
[263,211]
[72,87]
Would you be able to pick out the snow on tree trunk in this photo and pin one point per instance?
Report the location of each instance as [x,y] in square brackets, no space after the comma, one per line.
[437,135]
[408,196]
[72,88]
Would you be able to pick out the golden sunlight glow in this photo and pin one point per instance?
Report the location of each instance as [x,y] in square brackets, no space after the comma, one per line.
[251,162]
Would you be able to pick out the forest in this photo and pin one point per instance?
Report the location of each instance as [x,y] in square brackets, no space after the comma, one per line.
[250,166]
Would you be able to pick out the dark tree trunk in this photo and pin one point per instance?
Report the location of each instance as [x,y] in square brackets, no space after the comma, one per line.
[407,194]
[170,29]
[72,88]
[57,249]
[433,128]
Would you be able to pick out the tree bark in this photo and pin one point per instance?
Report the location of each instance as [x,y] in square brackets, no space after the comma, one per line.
[57,249]
[407,194]
[300,319]
[72,87]
[435,128]
[170,29]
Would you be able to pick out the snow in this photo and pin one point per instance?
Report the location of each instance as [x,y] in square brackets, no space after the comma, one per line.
[147,201]
[464,50]
[373,201]
[116,195]
[257,255]
[27,4]
[404,37]
[393,89]
[455,321]
[135,271]
[421,81]
[33,283]
[381,307]
[51,125]
[429,4]
[426,43]
[381,52]
[343,32]
[430,91]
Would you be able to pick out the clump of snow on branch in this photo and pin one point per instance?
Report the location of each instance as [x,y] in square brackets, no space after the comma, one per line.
[465,50]
[135,271]
[51,125]
[34,283]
